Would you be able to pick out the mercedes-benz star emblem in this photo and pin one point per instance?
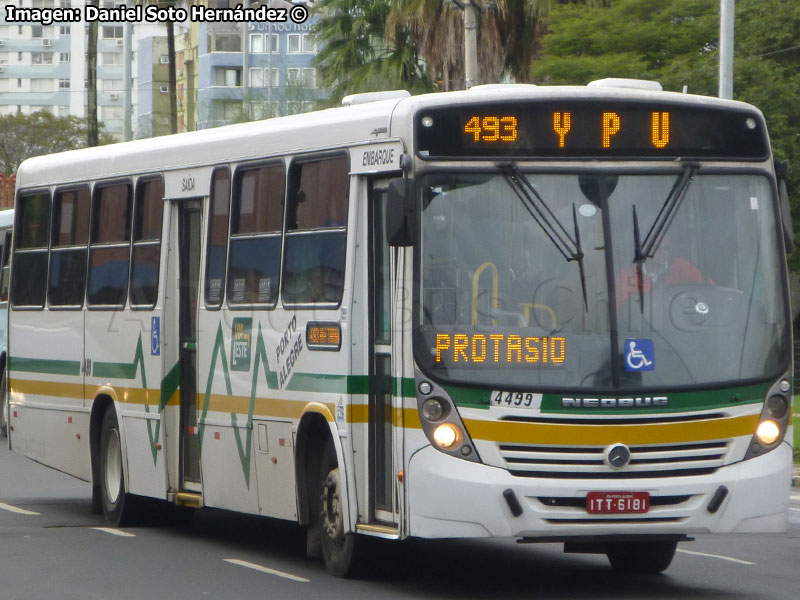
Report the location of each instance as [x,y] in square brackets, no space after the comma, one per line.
[617,456]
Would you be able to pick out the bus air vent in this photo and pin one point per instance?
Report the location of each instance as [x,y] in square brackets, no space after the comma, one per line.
[636,84]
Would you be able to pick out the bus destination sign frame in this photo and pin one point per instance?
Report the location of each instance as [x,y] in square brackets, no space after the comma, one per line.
[590,129]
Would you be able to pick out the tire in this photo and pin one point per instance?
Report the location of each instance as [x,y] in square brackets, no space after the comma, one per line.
[339,549]
[648,558]
[3,404]
[118,506]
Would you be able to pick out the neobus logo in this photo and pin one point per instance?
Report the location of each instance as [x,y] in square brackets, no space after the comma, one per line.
[637,402]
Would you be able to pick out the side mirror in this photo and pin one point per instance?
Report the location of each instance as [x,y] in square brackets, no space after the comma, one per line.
[401,213]
[782,171]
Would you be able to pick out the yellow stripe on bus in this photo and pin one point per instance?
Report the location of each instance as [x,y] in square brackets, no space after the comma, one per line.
[89,392]
[563,434]
[504,432]
[46,388]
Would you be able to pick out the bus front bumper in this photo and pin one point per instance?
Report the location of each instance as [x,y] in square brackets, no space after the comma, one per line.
[449,497]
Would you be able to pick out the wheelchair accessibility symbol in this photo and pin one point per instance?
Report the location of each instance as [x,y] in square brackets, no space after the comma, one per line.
[155,336]
[639,355]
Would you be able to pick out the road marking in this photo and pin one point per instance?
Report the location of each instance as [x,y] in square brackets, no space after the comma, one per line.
[113,531]
[795,497]
[736,560]
[19,511]
[256,567]
[794,509]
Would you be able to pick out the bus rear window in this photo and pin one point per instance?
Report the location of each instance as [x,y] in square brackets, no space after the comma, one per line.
[67,277]
[29,279]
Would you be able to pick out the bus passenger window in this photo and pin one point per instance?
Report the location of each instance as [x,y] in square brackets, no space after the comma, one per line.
[255,254]
[69,242]
[109,251]
[316,232]
[146,242]
[217,249]
[29,280]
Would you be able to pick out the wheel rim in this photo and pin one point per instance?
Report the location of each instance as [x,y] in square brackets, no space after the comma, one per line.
[332,523]
[113,466]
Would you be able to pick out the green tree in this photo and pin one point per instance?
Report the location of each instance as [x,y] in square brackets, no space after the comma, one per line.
[23,136]
[676,43]
[355,55]
[508,35]
[418,44]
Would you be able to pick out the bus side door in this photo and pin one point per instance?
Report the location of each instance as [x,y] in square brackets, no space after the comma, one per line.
[385,421]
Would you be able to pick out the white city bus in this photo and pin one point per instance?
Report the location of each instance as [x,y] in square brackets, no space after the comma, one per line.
[6,225]
[549,314]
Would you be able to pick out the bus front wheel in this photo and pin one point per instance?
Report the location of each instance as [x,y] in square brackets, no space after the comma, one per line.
[339,548]
[118,506]
[641,557]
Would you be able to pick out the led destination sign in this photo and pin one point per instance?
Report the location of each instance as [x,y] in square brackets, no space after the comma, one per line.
[590,129]
[480,349]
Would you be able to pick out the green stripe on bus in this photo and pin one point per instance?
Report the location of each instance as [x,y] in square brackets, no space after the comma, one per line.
[169,385]
[122,370]
[693,400]
[678,401]
[45,366]
[345,384]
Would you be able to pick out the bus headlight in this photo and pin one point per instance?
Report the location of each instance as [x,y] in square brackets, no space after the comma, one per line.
[441,422]
[768,432]
[774,421]
[433,409]
[447,436]
[777,406]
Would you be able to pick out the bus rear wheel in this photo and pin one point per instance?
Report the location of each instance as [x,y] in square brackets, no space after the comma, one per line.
[118,506]
[641,557]
[339,548]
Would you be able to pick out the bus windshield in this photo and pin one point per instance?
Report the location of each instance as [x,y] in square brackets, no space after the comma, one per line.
[501,304]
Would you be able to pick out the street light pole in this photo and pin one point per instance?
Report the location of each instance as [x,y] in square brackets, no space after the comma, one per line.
[726,18]
[470,44]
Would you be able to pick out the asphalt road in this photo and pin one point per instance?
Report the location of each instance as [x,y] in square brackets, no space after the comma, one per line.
[52,547]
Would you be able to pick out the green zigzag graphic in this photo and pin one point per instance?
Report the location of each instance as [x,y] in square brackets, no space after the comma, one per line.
[271,378]
[128,371]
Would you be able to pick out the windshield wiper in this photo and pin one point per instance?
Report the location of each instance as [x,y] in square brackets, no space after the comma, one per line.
[568,246]
[647,248]
[666,214]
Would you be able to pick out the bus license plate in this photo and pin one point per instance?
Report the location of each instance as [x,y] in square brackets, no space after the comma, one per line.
[603,503]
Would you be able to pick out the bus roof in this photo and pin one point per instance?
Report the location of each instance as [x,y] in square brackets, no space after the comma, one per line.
[330,128]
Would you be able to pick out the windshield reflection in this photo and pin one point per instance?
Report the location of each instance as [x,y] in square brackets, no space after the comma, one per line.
[501,306]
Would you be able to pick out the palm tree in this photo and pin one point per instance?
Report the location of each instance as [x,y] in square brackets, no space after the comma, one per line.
[355,55]
[508,35]
[377,44]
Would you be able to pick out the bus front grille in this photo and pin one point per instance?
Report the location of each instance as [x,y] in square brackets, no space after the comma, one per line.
[586,462]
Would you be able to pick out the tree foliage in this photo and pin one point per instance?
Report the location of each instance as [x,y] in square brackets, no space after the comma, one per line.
[371,45]
[354,55]
[23,136]
[676,42]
